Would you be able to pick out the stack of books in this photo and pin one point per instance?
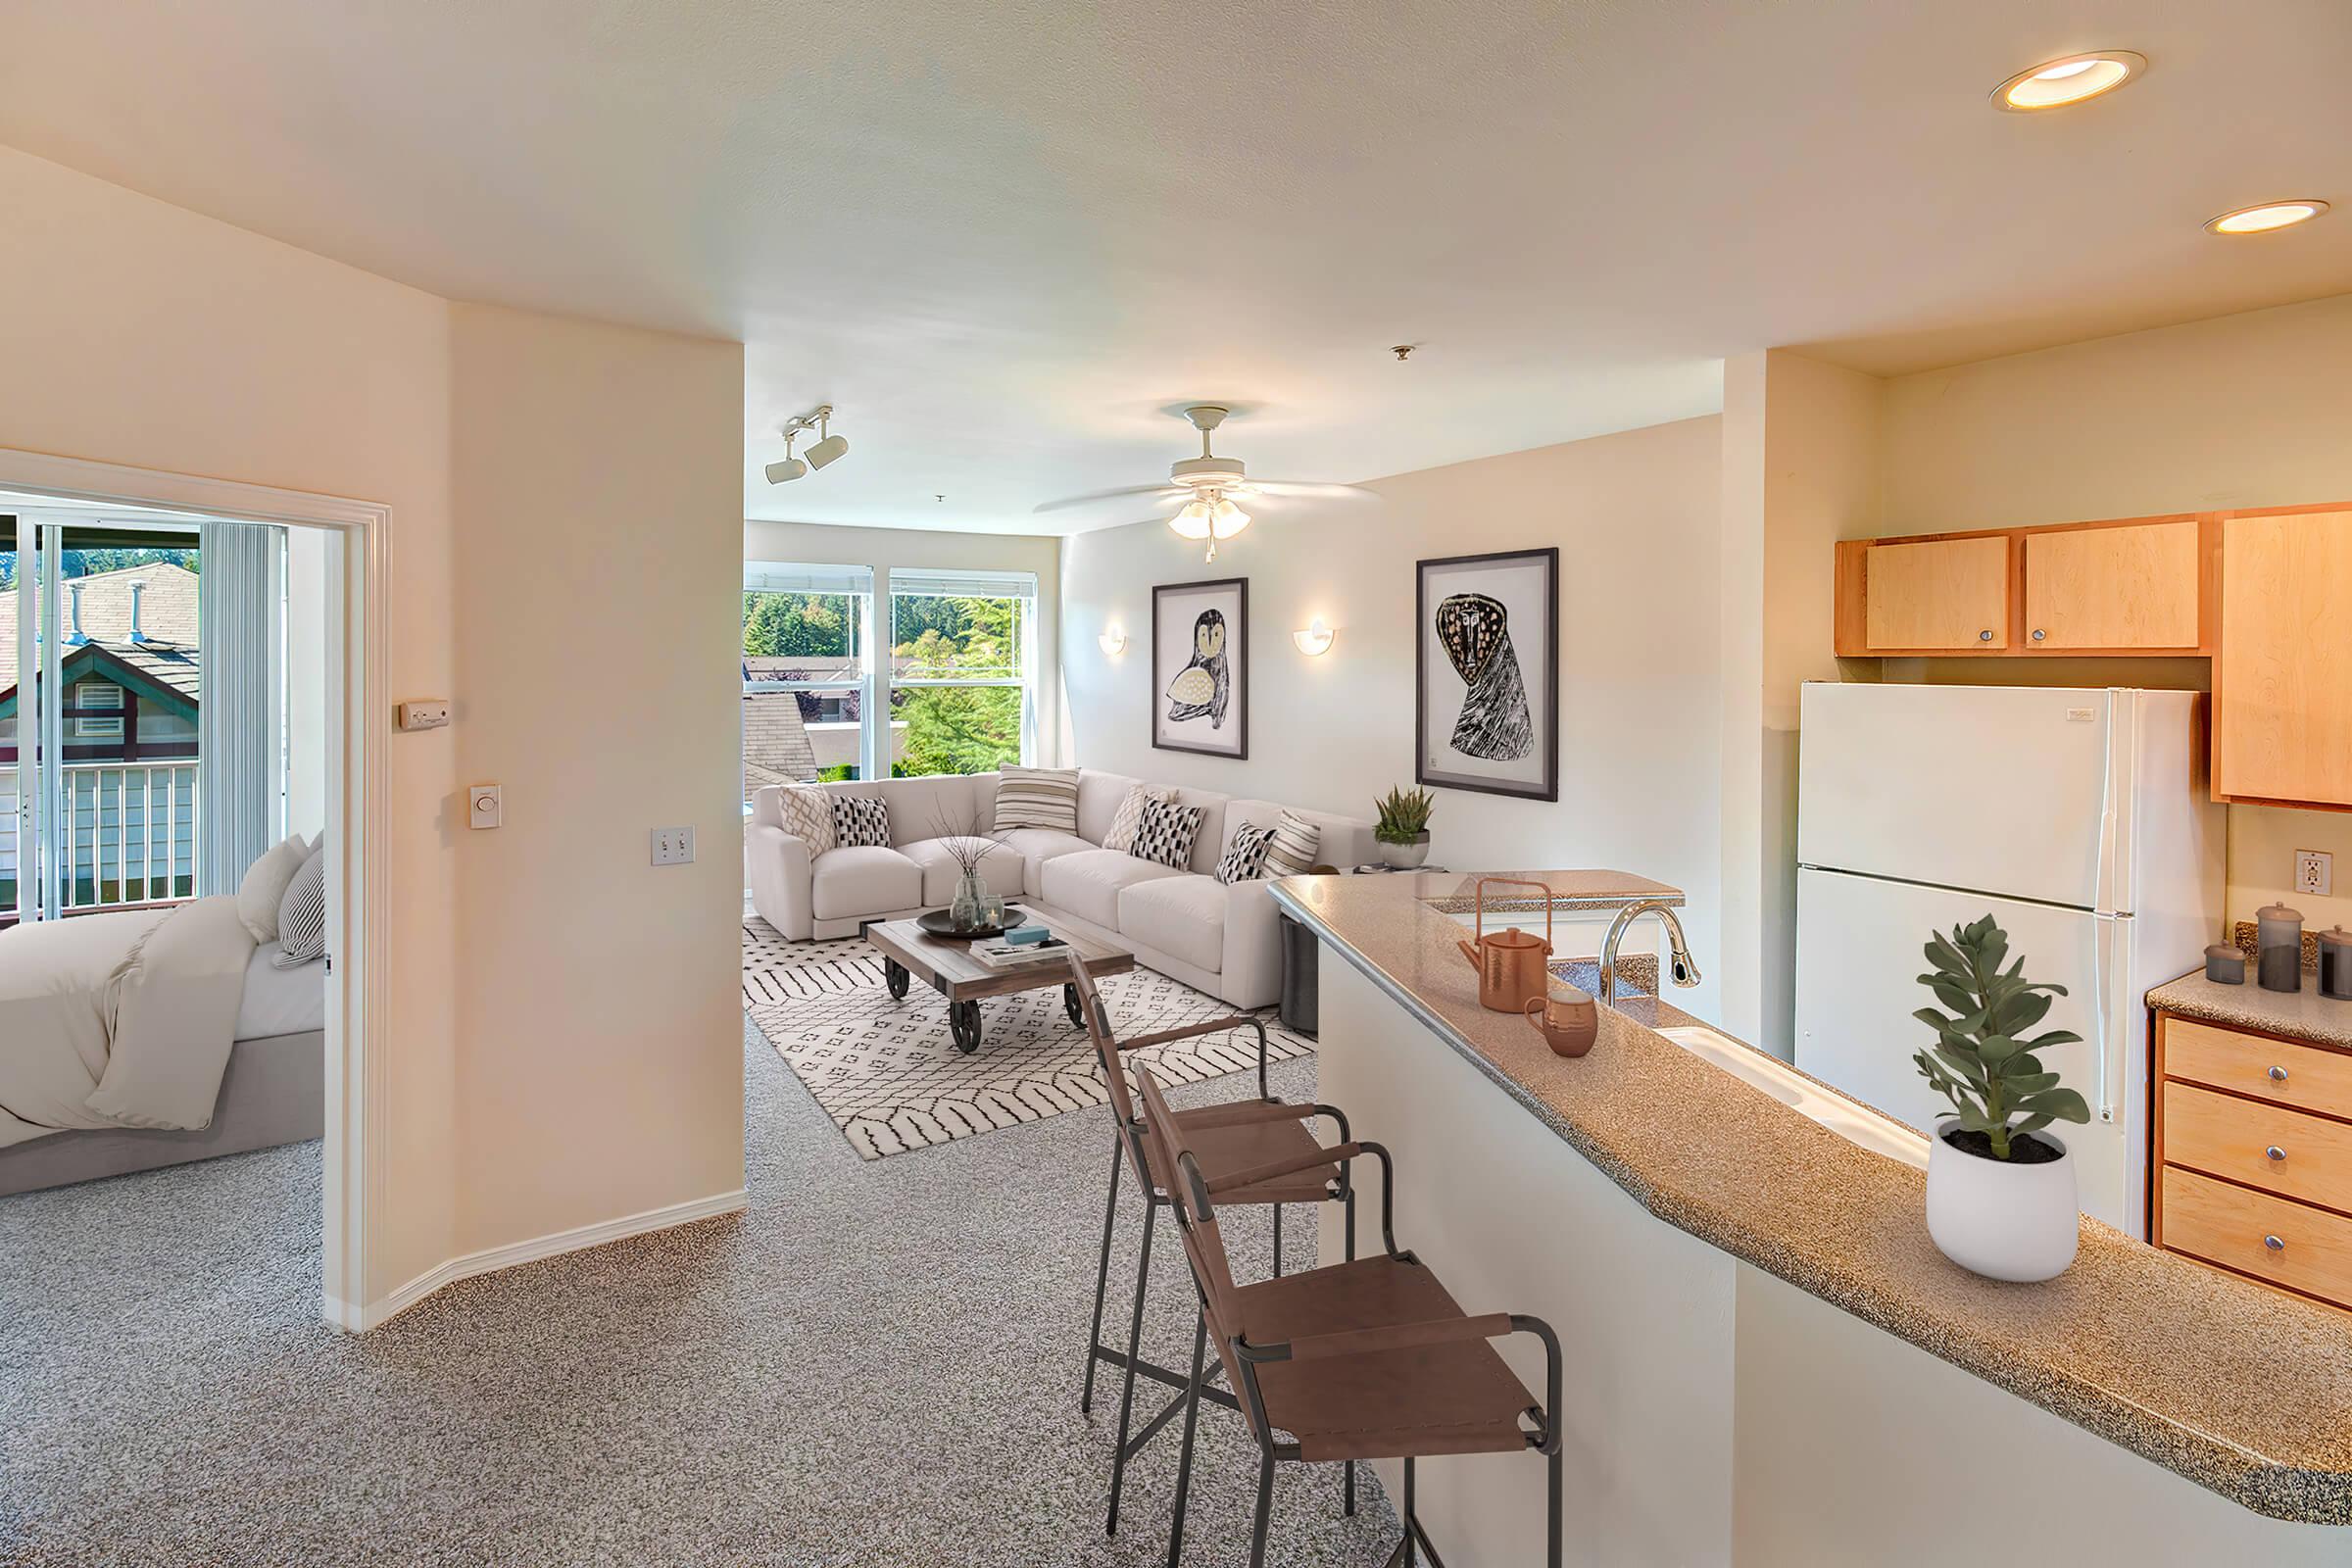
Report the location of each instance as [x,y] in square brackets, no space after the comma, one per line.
[999,954]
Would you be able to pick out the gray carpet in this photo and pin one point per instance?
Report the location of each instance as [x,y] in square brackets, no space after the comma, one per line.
[876,1365]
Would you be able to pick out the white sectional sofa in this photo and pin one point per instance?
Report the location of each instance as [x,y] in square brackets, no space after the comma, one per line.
[1186,924]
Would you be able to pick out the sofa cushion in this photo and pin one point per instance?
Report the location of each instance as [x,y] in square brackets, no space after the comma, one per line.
[1037,797]
[999,869]
[862,879]
[860,821]
[1184,916]
[1164,834]
[1088,883]
[1035,846]
[1099,798]
[1209,843]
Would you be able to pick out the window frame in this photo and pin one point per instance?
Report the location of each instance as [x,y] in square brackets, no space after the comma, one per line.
[821,580]
[1021,587]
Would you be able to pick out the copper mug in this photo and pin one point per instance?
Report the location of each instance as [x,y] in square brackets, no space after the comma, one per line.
[1568,1021]
[1513,965]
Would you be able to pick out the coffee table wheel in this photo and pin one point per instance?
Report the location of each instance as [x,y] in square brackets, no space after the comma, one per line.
[894,975]
[1071,1004]
[964,1025]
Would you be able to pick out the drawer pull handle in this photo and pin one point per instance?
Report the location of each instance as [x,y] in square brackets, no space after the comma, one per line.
[2273,1243]
[1983,636]
[2039,634]
[2276,1152]
[2277,1075]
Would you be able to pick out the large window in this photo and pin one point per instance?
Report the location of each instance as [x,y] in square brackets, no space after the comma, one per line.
[806,674]
[962,663]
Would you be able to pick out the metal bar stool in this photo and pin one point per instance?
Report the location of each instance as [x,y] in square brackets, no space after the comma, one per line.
[1264,1140]
[1366,1359]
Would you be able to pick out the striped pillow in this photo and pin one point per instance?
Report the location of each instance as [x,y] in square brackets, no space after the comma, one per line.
[1165,832]
[1121,835]
[1296,843]
[1246,857]
[807,814]
[302,912]
[1038,796]
[860,821]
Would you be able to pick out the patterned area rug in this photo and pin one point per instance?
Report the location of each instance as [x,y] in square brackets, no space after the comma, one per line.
[891,1079]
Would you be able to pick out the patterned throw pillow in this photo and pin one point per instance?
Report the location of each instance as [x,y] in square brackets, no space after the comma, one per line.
[807,814]
[860,821]
[1038,796]
[302,912]
[1296,843]
[1121,835]
[1164,834]
[1245,857]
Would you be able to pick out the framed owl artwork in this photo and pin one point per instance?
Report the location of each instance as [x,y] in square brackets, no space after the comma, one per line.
[1201,667]
[1487,667]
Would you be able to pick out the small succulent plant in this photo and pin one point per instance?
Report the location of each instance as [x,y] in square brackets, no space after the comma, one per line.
[1404,817]
[1982,1060]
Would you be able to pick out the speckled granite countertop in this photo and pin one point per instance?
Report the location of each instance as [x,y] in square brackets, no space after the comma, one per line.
[2175,1361]
[2305,1014]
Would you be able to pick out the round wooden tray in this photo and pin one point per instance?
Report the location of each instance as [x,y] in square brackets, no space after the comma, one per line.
[935,924]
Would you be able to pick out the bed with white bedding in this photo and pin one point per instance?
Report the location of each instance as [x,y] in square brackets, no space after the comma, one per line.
[147,1038]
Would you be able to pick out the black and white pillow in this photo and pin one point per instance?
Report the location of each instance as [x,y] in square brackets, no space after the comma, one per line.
[1245,858]
[1038,796]
[860,821]
[302,912]
[1165,833]
[1296,843]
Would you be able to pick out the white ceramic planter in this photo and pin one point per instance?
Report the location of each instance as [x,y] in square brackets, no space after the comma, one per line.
[2000,1219]
[1404,857]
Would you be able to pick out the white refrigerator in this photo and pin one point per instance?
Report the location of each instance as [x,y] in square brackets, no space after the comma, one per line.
[2078,818]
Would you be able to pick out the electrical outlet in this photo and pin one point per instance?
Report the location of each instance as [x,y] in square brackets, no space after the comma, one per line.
[673,846]
[2315,873]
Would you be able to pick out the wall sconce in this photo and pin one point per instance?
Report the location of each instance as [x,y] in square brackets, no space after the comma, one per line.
[1112,641]
[1314,638]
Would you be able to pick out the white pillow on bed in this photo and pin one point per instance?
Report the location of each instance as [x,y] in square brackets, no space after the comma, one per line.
[264,886]
[302,914]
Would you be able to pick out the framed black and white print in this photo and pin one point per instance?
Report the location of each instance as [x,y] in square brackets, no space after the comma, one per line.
[1485,664]
[1201,667]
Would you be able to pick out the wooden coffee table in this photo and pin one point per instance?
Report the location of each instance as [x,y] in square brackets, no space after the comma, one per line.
[909,951]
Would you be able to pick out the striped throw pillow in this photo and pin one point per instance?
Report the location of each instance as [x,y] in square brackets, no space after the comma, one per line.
[1246,857]
[1038,796]
[860,821]
[807,814]
[1121,835]
[302,912]
[1164,834]
[1297,844]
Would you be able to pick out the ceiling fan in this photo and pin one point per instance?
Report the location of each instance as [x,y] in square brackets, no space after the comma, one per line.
[1207,489]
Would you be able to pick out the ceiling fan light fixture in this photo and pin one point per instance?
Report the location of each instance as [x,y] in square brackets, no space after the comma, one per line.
[1195,520]
[2069,80]
[1225,519]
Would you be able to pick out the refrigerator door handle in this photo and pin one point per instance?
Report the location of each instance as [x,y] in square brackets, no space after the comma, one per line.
[2104,1017]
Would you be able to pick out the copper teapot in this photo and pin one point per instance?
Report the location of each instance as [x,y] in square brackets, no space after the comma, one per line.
[1513,965]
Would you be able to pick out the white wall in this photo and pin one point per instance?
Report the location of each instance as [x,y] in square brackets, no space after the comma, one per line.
[563,457]
[1636,516]
[883,549]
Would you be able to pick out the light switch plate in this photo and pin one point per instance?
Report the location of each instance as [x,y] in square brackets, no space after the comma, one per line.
[425,714]
[2315,873]
[673,846]
[486,805]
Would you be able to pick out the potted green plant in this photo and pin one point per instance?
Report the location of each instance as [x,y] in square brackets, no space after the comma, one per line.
[1403,827]
[2000,1187]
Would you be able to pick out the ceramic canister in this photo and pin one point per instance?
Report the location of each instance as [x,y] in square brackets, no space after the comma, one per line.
[2278,947]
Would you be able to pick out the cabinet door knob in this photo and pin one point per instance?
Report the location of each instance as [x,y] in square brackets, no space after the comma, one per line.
[1983,636]
[2273,1243]
[2276,1152]
[2039,634]
[2277,1075]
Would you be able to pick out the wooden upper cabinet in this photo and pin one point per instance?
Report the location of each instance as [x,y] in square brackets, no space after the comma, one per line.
[1937,594]
[2282,680]
[2136,588]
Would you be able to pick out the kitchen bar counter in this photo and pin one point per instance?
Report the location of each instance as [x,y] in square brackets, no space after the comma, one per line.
[2303,1014]
[2241,1390]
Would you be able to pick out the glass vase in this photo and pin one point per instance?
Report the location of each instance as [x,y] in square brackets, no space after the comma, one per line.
[968,910]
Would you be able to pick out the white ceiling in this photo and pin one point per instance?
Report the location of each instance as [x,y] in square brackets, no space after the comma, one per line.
[1005,238]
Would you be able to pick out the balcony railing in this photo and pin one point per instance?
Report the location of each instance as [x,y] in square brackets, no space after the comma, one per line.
[128,836]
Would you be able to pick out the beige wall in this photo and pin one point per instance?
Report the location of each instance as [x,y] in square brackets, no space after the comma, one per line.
[821,544]
[1636,516]
[138,333]
[596,475]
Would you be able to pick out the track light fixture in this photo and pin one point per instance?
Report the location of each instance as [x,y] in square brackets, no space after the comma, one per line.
[826,449]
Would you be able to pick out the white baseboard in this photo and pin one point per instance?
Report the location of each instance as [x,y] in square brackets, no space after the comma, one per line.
[358,1318]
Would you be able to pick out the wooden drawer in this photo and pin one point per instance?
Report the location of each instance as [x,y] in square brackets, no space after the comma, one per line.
[2223,1134]
[2234,1228]
[2305,1077]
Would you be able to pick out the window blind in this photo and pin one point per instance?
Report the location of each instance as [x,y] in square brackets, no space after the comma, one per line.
[923,583]
[784,577]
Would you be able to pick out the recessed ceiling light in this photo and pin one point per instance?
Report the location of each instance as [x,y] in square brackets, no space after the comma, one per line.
[2056,83]
[2267,216]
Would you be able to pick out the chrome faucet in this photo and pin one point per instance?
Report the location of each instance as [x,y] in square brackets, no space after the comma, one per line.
[1682,969]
